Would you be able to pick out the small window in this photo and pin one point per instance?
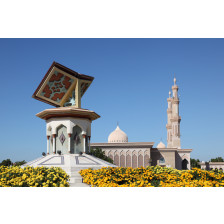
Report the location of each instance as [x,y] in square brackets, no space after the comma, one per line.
[162,160]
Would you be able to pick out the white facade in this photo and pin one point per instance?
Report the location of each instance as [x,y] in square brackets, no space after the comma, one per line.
[64,140]
[69,122]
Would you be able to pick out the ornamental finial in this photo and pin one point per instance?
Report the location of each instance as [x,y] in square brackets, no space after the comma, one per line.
[175,80]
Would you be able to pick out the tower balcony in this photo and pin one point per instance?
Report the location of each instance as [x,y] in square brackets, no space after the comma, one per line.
[176,118]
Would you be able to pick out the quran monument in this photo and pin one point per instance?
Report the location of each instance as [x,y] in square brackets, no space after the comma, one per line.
[68,126]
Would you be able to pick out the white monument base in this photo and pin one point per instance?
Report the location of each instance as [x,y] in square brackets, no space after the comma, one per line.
[71,164]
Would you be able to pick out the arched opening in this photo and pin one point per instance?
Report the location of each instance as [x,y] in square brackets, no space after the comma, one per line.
[122,158]
[62,140]
[162,162]
[146,162]
[116,159]
[134,161]
[128,160]
[140,160]
[77,142]
[110,155]
[184,164]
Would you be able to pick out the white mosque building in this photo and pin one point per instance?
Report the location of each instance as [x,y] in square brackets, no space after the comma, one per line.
[138,154]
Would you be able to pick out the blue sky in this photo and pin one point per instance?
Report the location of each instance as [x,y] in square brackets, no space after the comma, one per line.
[132,81]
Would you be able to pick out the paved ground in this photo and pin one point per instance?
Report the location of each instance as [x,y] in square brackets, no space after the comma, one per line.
[79,185]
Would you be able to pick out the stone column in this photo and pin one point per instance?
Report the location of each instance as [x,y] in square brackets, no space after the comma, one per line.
[54,143]
[125,157]
[69,142]
[119,159]
[137,158]
[89,142]
[48,137]
[131,159]
[84,138]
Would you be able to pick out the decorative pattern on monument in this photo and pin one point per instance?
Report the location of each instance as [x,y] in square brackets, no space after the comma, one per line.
[57,86]
[77,139]
[49,163]
[62,138]
[81,160]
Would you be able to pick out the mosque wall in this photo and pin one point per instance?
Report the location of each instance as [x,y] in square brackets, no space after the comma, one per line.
[138,157]
[169,158]
[155,155]
[178,161]
[158,156]
[212,165]
[128,157]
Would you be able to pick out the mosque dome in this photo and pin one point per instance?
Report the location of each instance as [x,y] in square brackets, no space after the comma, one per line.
[161,145]
[117,136]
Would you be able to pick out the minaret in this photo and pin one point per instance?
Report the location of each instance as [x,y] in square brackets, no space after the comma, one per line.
[175,120]
[169,125]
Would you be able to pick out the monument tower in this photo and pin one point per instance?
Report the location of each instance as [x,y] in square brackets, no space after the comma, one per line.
[68,126]
[173,119]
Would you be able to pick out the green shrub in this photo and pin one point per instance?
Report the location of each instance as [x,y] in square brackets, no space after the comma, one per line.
[99,153]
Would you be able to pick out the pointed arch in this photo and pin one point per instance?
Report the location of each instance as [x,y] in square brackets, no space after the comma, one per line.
[128,159]
[77,140]
[134,159]
[146,158]
[110,155]
[122,159]
[116,158]
[140,159]
[61,139]
[184,164]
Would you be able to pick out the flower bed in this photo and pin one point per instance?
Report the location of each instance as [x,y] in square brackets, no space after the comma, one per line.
[152,177]
[15,176]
